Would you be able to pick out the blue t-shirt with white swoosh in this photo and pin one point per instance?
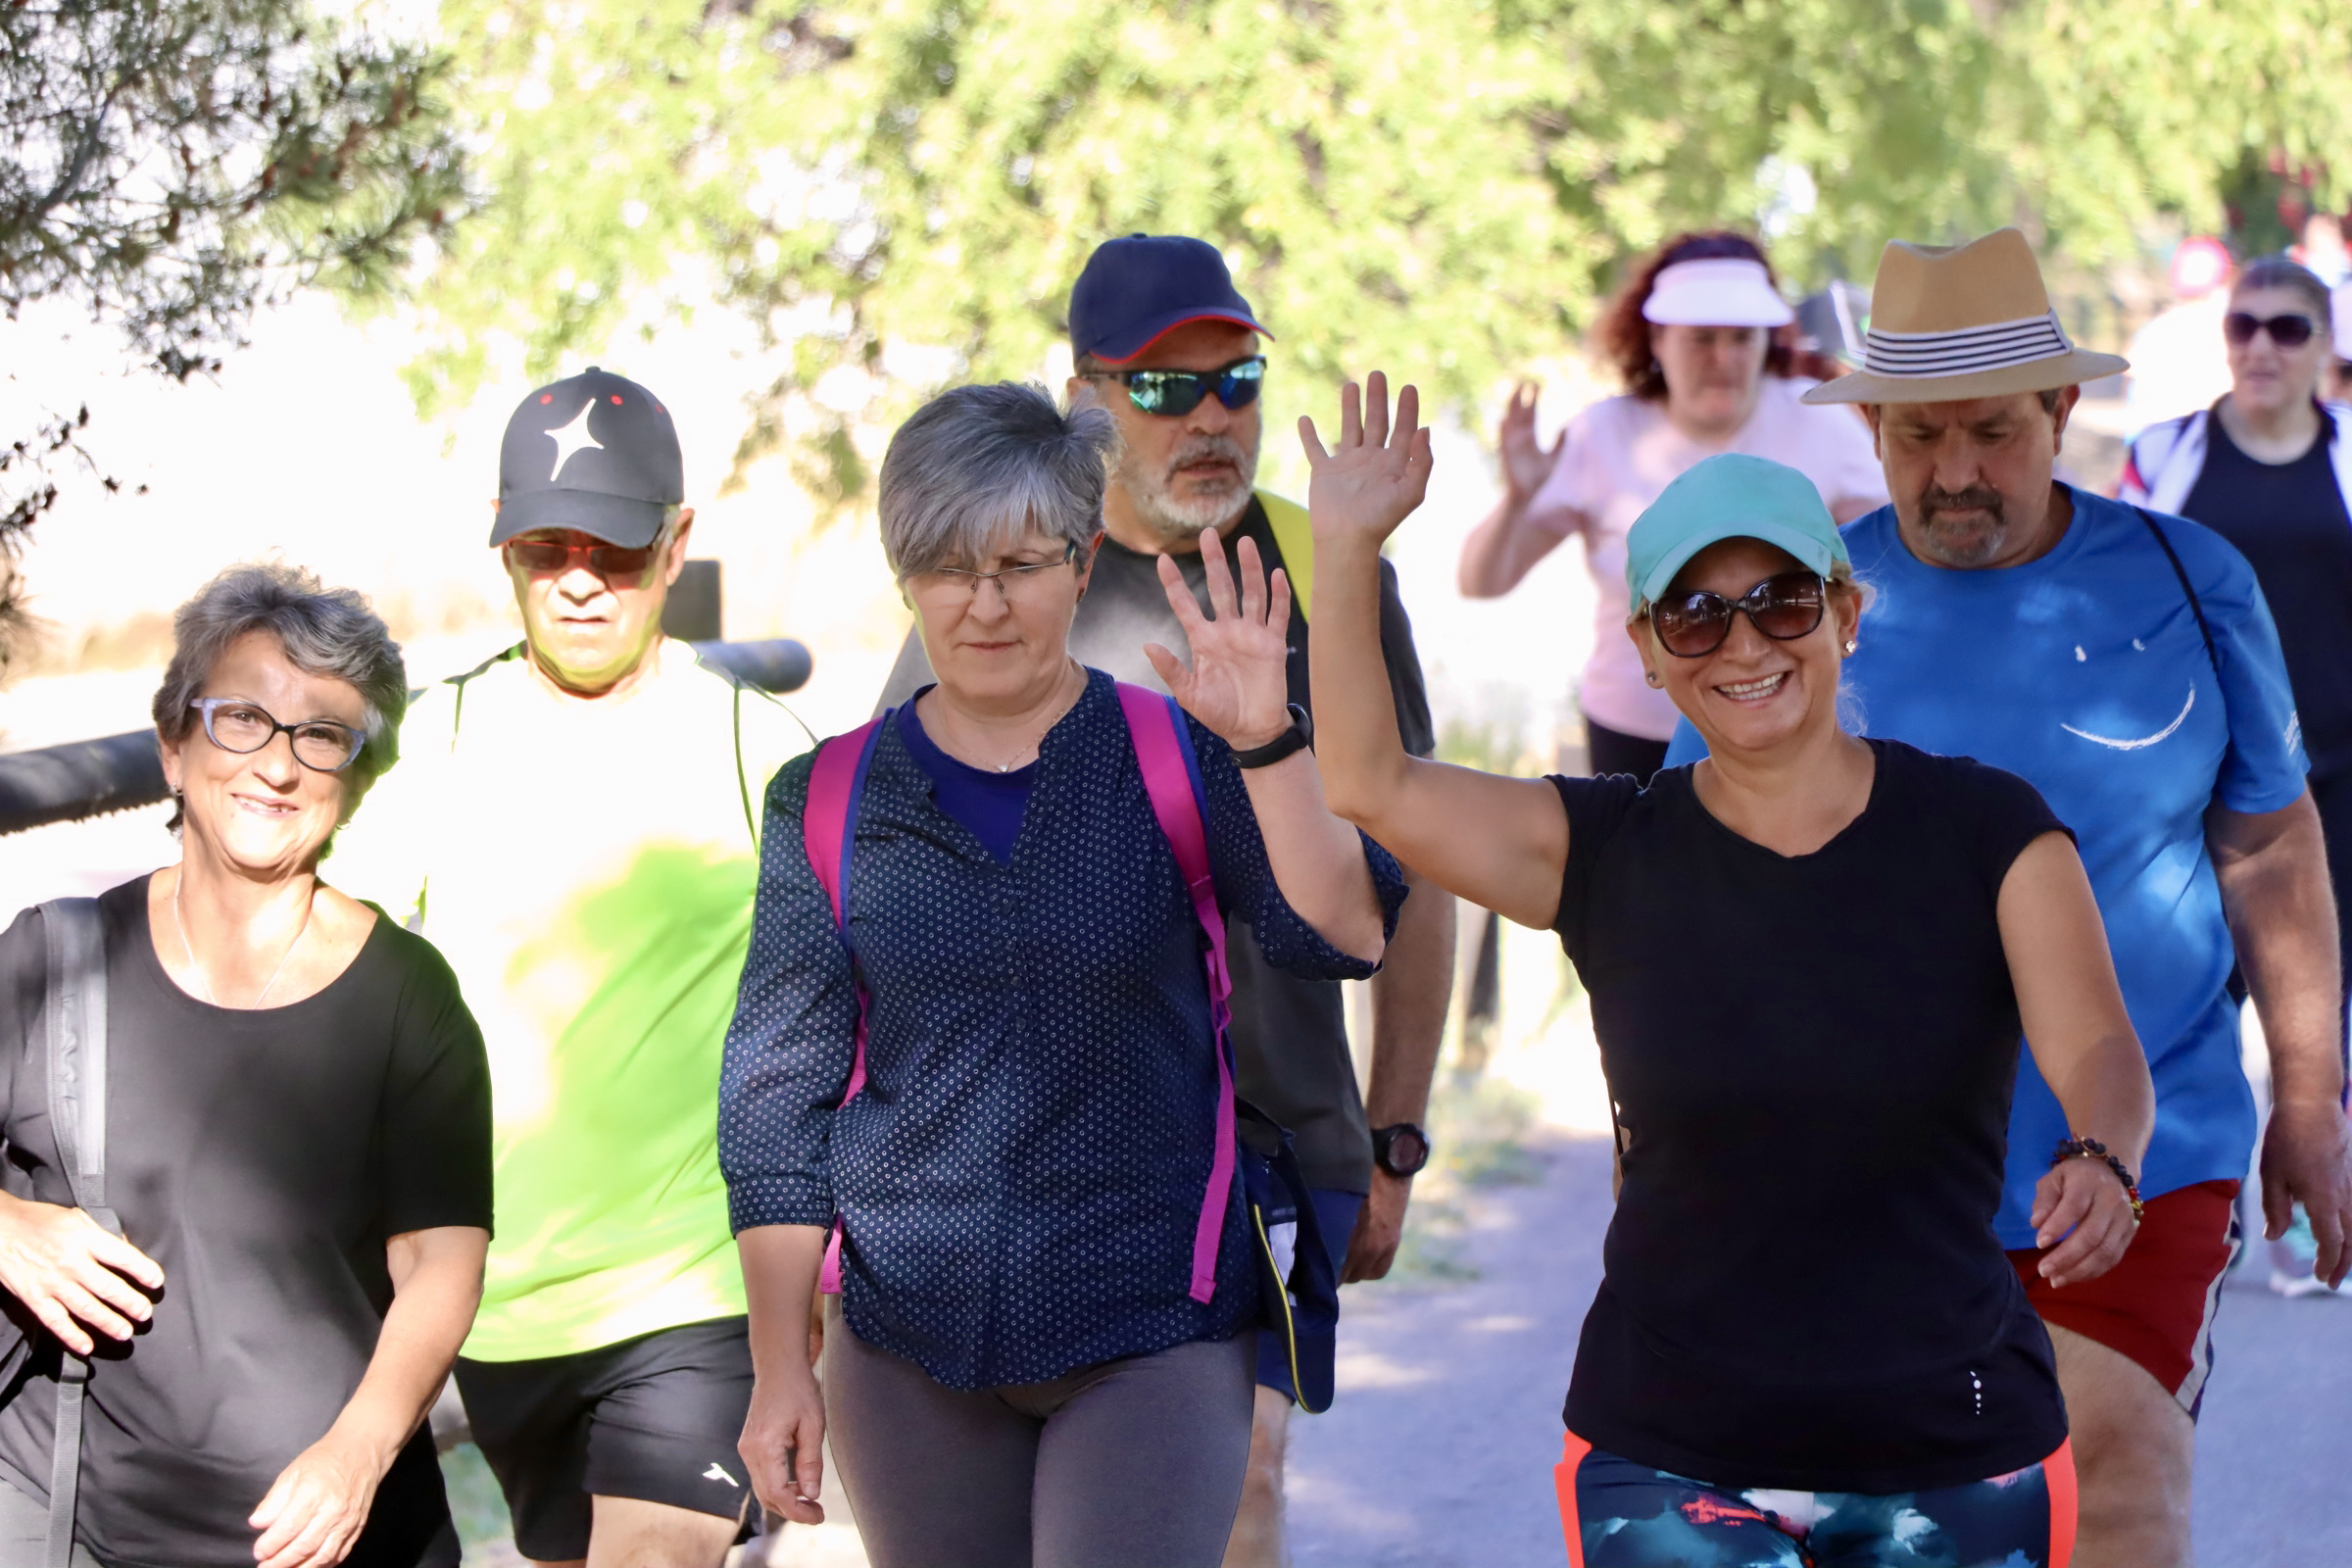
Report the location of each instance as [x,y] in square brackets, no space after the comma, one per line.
[2083,673]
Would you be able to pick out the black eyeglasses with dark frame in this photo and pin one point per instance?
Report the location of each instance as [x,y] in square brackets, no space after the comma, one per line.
[1784,608]
[322,744]
[1179,392]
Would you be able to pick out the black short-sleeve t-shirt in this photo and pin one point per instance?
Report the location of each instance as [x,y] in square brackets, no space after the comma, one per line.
[1812,1057]
[261,1159]
[2293,526]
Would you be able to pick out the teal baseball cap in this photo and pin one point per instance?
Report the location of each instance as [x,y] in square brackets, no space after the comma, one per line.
[1729,496]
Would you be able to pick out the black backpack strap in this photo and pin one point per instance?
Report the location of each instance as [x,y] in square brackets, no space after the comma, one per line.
[74,1005]
[2195,607]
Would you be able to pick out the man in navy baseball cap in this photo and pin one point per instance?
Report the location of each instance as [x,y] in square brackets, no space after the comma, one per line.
[1138,288]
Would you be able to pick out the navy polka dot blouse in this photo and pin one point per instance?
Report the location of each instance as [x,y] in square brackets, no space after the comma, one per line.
[1019,1179]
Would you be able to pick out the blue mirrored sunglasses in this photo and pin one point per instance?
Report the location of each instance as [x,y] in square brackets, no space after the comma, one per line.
[1179,392]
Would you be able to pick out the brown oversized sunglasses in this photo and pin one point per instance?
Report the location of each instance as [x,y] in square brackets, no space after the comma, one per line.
[608,561]
[1692,625]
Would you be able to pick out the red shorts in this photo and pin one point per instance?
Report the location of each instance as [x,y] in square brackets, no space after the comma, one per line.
[2157,1305]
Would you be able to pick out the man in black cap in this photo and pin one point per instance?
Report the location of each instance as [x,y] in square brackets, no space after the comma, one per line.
[578,836]
[1165,342]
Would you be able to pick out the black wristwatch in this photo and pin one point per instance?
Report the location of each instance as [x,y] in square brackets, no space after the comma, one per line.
[1400,1151]
[1299,735]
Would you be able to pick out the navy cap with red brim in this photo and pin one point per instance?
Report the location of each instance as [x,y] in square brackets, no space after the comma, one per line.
[1138,289]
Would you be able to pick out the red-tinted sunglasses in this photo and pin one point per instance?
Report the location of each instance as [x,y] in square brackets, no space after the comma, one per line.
[608,561]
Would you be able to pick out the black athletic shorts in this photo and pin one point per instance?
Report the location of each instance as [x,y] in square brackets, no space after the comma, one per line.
[653,1418]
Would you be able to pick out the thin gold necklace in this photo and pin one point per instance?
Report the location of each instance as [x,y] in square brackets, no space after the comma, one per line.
[1035,747]
[197,969]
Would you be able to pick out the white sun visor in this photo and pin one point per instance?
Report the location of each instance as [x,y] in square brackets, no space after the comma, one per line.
[1723,291]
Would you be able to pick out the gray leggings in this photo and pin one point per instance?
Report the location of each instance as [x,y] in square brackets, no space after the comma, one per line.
[1135,1463]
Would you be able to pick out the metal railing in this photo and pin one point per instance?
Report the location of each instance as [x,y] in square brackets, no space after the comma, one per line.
[119,773]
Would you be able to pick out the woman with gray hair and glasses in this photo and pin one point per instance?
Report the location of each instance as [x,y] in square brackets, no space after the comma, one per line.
[997,1082]
[296,1140]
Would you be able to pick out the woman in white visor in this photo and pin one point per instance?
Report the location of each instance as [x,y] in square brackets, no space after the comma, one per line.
[1696,336]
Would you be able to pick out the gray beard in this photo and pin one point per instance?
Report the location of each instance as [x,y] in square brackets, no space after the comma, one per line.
[1962,547]
[1178,521]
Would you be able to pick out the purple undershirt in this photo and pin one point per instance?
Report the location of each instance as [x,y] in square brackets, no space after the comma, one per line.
[988,804]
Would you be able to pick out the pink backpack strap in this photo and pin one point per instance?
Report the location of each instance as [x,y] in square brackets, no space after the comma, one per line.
[1172,778]
[828,832]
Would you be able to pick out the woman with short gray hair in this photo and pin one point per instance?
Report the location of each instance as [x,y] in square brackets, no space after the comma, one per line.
[997,1082]
[295,1135]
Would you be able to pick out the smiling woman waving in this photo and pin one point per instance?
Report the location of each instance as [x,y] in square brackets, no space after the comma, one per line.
[1810,959]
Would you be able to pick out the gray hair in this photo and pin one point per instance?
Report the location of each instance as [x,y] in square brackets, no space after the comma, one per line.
[329,632]
[978,466]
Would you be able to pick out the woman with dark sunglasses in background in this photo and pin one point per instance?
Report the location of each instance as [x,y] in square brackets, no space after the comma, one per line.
[1810,959]
[271,1284]
[2268,468]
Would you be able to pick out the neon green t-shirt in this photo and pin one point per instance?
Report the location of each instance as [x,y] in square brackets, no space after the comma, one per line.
[588,869]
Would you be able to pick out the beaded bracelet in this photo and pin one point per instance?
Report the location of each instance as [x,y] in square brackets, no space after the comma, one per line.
[2093,1148]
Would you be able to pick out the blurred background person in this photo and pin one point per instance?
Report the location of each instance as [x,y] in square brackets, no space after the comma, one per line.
[296,1114]
[1043,1349]
[2337,383]
[1692,335]
[2269,469]
[577,830]
[2322,249]
[2178,365]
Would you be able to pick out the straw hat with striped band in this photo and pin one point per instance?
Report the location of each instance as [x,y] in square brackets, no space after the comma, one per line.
[1950,322]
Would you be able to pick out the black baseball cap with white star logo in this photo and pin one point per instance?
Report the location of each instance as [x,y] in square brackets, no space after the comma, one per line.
[596,453]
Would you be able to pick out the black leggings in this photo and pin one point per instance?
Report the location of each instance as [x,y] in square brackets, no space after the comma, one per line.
[1611,751]
[1136,1463]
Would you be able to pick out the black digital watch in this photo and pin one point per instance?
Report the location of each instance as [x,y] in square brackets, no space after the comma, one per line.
[1299,735]
[1401,1151]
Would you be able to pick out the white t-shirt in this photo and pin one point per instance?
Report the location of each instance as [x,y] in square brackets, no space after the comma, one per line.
[587,869]
[1619,454]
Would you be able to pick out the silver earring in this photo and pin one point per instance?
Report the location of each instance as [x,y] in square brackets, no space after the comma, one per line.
[1651,676]
[1852,645]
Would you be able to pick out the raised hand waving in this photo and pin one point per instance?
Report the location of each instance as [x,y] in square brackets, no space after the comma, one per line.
[1376,472]
[1237,683]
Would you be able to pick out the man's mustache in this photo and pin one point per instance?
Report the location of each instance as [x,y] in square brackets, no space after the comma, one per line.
[1974,499]
[1202,448]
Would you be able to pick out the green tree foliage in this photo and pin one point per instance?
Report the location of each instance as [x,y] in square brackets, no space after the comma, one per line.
[169,165]
[1442,186]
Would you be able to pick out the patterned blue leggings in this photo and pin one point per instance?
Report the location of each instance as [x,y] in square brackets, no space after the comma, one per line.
[1620,1514]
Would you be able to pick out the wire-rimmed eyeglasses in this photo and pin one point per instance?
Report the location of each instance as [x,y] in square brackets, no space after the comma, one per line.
[947,582]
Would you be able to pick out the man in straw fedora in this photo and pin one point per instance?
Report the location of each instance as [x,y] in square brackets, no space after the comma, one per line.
[2124,662]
